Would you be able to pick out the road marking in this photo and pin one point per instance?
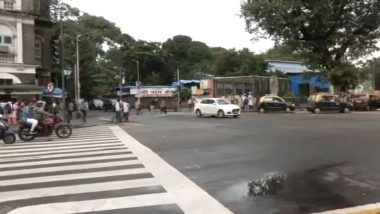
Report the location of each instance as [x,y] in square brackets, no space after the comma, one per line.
[189,197]
[54,142]
[64,161]
[75,189]
[365,209]
[70,176]
[58,156]
[69,167]
[105,143]
[94,173]
[98,205]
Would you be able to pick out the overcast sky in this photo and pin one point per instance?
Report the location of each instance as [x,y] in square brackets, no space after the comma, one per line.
[214,22]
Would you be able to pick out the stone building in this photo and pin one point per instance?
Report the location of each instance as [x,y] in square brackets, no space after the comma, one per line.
[25,57]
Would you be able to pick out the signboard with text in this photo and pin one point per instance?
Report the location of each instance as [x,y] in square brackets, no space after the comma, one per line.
[154,92]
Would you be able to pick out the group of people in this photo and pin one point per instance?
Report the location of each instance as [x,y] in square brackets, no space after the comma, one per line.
[83,107]
[122,108]
[246,102]
[28,112]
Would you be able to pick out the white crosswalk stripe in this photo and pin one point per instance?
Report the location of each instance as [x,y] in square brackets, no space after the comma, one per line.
[94,171]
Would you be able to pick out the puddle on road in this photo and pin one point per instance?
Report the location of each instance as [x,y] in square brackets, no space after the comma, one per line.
[270,183]
[318,189]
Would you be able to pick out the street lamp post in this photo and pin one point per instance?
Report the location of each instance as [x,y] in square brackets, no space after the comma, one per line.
[77,77]
[120,82]
[65,73]
[77,70]
[61,59]
[138,71]
[178,94]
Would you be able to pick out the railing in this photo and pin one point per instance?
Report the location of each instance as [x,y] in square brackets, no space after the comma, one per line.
[7,57]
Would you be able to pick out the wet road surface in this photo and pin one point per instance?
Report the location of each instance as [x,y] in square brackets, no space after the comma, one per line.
[331,160]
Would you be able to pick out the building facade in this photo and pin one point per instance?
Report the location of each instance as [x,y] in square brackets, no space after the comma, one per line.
[301,84]
[25,58]
[256,85]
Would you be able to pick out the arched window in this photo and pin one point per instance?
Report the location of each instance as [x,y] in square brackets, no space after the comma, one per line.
[6,35]
[38,50]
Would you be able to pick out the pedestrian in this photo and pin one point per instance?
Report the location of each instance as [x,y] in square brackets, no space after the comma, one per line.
[70,110]
[245,103]
[190,103]
[118,111]
[12,112]
[250,101]
[137,106]
[126,108]
[153,104]
[163,106]
[84,109]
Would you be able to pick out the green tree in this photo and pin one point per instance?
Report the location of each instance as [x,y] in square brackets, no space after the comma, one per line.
[96,74]
[329,33]
[187,55]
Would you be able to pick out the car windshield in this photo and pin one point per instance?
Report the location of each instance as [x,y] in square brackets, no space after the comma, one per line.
[222,102]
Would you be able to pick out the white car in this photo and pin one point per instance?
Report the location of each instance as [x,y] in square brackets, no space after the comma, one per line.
[216,107]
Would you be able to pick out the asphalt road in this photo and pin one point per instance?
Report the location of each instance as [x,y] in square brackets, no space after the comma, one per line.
[331,160]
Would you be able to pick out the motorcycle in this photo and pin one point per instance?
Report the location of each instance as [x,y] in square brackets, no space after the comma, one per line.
[45,128]
[6,134]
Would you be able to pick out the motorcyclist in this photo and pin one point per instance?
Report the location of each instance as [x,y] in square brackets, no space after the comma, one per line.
[26,116]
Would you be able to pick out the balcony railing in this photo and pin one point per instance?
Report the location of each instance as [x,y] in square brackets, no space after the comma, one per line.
[7,57]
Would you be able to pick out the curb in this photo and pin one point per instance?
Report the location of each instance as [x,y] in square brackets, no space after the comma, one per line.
[365,209]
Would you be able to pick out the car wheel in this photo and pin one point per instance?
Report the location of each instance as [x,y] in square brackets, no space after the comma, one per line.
[220,114]
[198,113]
[317,110]
[288,110]
[346,110]
[262,110]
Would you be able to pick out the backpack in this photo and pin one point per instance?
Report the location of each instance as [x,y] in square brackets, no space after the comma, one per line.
[8,109]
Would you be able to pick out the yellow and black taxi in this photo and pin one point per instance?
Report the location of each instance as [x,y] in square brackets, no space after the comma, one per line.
[273,103]
[326,102]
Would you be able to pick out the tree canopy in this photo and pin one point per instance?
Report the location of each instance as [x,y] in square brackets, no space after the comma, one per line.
[106,52]
[331,34]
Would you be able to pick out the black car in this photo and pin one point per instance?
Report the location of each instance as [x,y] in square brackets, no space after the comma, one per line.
[108,105]
[274,104]
[324,102]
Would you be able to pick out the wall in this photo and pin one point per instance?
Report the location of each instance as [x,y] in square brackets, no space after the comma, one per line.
[28,38]
[313,81]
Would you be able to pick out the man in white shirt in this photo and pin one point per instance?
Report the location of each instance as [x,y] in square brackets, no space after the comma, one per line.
[118,111]
[126,107]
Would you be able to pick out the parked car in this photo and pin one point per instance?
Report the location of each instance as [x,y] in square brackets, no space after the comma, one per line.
[273,103]
[108,105]
[325,102]
[216,107]
[366,102]
[97,104]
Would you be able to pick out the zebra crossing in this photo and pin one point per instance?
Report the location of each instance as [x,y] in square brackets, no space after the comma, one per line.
[99,170]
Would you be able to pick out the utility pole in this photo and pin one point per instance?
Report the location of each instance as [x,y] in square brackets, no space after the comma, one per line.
[62,61]
[138,71]
[120,84]
[178,94]
[77,79]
